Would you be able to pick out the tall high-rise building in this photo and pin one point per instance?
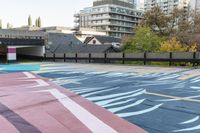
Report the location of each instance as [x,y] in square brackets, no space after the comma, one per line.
[195,5]
[166,5]
[139,4]
[115,17]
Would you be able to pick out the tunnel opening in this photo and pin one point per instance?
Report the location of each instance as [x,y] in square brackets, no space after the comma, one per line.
[3,54]
[29,53]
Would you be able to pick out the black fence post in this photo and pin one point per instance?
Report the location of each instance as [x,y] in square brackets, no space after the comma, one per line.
[123,60]
[89,57]
[76,58]
[64,57]
[105,58]
[170,58]
[194,59]
[145,57]
[54,57]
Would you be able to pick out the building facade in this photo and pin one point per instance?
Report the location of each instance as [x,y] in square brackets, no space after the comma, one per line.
[166,5]
[195,5]
[115,17]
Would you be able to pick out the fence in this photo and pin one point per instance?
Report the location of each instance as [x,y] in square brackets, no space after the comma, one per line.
[192,57]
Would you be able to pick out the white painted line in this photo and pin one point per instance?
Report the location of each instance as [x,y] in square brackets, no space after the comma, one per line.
[117,109]
[188,129]
[108,101]
[129,114]
[88,119]
[190,121]
[41,83]
[29,75]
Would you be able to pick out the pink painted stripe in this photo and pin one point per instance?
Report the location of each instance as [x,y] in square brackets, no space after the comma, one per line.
[11,50]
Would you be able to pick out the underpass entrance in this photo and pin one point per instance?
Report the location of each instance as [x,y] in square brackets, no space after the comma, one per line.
[27,53]
[3,54]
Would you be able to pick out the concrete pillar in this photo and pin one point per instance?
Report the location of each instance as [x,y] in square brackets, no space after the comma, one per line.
[11,54]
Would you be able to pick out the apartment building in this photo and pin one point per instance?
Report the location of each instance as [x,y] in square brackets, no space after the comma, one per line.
[115,17]
[166,5]
[195,5]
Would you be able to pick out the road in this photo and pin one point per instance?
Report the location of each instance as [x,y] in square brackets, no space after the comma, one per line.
[157,99]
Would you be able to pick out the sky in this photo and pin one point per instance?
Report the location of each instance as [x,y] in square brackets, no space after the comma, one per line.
[52,12]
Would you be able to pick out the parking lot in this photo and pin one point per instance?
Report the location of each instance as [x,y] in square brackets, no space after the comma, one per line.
[158,99]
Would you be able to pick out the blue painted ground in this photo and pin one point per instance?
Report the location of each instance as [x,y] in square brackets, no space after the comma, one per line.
[20,67]
[160,100]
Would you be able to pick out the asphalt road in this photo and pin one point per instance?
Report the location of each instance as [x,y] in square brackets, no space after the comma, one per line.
[160,100]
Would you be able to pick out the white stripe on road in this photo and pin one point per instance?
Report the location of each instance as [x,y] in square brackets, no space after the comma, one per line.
[117,109]
[190,121]
[129,114]
[105,102]
[40,83]
[89,120]
[188,129]
[97,98]
[29,75]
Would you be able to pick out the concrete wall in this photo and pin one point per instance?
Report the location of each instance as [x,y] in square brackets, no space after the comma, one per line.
[70,55]
[83,55]
[182,55]
[11,54]
[134,55]
[98,55]
[158,55]
[114,55]
[10,33]
[59,55]
[49,55]
[198,55]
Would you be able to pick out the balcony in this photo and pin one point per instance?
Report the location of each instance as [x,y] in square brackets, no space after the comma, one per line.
[77,15]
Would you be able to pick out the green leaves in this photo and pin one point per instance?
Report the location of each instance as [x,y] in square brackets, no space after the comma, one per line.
[29,21]
[145,40]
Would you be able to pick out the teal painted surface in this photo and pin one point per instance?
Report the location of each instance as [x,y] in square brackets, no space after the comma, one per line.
[19,67]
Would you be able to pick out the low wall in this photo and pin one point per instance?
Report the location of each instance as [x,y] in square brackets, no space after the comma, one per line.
[145,57]
[114,55]
[134,55]
[97,55]
[157,55]
[183,55]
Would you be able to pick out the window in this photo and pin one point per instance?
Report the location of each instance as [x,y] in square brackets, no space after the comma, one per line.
[94,42]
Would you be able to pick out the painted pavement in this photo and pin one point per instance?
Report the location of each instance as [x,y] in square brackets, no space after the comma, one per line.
[160,100]
[32,104]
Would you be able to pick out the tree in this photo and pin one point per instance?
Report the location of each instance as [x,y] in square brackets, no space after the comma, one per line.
[39,22]
[1,24]
[172,45]
[164,24]
[36,23]
[29,21]
[193,48]
[9,26]
[156,20]
[144,40]
[181,24]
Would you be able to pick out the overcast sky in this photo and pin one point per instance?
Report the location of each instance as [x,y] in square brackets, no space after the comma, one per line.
[52,12]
